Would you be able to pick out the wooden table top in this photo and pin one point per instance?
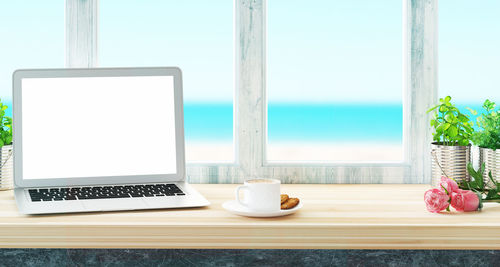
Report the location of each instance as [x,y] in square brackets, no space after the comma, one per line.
[333,216]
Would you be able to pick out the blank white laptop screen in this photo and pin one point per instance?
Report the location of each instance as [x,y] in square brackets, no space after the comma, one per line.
[98,126]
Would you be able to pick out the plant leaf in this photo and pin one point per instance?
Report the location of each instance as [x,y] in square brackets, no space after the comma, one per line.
[463,142]
[461,117]
[493,194]
[493,180]
[450,117]
[473,112]
[8,140]
[452,131]
[433,108]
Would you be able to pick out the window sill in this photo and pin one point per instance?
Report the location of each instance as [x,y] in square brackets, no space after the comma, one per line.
[333,217]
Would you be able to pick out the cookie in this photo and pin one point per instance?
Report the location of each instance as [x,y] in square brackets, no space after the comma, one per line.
[290,203]
[284,198]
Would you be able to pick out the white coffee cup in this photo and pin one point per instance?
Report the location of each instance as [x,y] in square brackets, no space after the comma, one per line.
[261,194]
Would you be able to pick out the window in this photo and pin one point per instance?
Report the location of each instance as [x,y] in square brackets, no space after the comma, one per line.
[468,52]
[334,81]
[196,36]
[237,55]
[32,37]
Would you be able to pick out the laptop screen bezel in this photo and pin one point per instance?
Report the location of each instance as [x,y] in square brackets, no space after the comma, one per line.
[18,75]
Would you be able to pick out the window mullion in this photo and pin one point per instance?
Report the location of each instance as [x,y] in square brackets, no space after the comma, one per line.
[250,93]
[81,33]
[422,83]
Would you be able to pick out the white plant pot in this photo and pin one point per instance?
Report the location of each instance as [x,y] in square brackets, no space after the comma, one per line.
[491,160]
[453,161]
[6,168]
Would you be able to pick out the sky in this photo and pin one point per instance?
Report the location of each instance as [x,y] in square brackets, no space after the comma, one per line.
[469,54]
[196,35]
[334,51]
[318,50]
[32,36]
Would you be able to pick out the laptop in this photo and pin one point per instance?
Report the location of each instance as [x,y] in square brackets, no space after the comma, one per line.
[102,139]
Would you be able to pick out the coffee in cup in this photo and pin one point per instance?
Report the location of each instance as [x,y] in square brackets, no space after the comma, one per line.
[261,181]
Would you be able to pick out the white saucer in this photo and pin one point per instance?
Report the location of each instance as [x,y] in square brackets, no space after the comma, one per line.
[235,208]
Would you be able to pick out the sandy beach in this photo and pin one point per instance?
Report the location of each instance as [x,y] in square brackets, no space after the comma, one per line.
[224,152]
[334,152]
[212,152]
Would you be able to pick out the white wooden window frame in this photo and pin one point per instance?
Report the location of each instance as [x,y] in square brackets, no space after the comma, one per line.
[250,105]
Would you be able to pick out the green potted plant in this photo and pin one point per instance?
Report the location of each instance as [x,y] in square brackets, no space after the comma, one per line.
[487,138]
[6,172]
[451,146]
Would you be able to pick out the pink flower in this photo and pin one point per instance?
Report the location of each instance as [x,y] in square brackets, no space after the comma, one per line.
[447,183]
[465,200]
[436,200]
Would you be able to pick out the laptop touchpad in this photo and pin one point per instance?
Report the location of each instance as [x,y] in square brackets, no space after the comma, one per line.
[115,204]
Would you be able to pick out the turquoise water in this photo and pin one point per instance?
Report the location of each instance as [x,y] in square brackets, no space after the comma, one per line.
[309,122]
[292,122]
[208,122]
[335,122]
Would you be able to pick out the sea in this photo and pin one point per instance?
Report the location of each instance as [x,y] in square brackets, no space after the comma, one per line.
[306,122]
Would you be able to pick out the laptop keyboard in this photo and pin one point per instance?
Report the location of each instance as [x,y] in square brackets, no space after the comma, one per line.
[103,192]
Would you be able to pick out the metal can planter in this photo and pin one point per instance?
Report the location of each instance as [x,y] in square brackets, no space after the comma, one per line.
[453,161]
[6,168]
[491,160]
